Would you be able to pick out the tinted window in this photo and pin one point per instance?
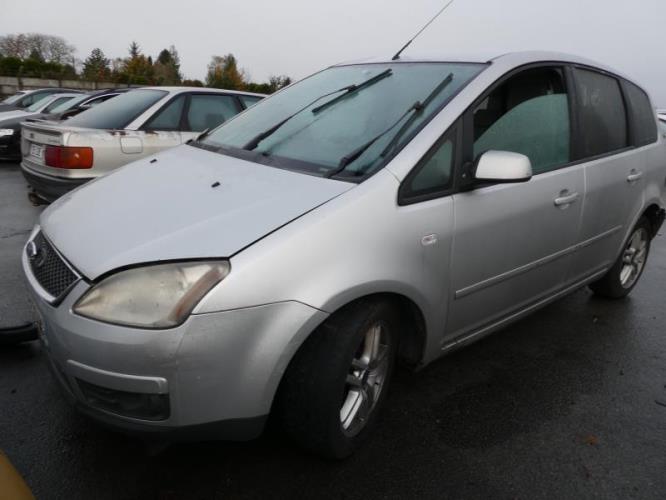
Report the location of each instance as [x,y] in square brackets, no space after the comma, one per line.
[168,118]
[643,123]
[119,112]
[434,174]
[527,114]
[208,111]
[249,100]
[603,120]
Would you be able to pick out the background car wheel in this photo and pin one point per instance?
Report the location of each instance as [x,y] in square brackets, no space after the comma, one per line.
[625,273]
[336,384]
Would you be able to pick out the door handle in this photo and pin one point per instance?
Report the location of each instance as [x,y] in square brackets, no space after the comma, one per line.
[634,176]
[565,199]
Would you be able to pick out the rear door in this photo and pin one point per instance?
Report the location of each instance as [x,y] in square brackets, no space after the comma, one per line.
[513,242]
[614,171]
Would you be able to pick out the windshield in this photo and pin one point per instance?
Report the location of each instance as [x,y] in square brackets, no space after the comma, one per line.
[13,98]
[118,112]
[68,104]
[346,133]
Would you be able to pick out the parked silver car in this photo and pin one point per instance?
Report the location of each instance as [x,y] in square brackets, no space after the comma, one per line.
[374,211]
[57,157]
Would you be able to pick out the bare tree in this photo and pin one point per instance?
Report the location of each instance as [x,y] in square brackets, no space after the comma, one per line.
[45,47]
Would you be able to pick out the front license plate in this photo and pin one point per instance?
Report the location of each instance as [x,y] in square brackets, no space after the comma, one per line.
[37,151]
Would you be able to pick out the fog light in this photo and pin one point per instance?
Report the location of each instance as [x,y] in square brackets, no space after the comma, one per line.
[127,404]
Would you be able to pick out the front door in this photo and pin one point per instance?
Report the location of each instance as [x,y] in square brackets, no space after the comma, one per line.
[513,243]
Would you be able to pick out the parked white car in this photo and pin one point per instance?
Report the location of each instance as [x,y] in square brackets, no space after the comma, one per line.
[58,157]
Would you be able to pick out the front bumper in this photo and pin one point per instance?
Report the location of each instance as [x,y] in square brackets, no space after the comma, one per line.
[218,371]
[50,187]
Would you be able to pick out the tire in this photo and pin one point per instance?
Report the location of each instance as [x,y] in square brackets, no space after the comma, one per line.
[627,270]
[334,370]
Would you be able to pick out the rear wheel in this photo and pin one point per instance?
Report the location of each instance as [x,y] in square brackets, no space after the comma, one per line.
[337,382]
[625,273]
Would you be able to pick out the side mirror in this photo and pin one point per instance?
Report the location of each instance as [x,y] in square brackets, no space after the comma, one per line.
[502,166]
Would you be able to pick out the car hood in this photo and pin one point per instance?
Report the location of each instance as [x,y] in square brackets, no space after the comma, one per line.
[188,204]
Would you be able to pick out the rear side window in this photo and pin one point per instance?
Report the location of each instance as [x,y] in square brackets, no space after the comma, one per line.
[119,112]
[641,115]
[207,111]
[168,118]
[527,114]
[602,115]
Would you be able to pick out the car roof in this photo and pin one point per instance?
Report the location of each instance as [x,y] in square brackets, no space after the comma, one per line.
[176,90]
[508,59]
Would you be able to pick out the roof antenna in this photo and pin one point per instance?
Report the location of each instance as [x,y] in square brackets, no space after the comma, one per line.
[397,54]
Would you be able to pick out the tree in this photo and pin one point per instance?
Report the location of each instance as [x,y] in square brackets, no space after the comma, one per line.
[137,68]
[167,67]
[37,46]
[96,67]
[223,73]
[275,83]
[134,50]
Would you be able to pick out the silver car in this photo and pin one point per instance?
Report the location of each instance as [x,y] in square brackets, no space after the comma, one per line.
[374,211]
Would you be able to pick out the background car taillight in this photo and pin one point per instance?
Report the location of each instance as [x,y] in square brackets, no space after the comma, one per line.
[68,157]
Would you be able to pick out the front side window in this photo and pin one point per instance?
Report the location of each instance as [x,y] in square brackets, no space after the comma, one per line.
[602,115]
[346,121]
[119,112]
[207,111]
[527,114]
[64,106]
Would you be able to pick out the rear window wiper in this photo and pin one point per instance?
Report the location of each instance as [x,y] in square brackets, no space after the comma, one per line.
[415,108]
[354,87]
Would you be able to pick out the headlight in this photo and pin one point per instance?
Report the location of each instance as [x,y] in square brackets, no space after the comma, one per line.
[158,296]
[6,131]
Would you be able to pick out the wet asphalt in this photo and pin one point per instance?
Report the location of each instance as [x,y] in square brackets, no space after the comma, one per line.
[568,403]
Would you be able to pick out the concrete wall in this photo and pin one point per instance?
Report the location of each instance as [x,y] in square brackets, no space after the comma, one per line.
[10,84]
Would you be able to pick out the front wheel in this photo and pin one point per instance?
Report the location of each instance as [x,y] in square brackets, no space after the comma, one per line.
[625,273]
[336,384]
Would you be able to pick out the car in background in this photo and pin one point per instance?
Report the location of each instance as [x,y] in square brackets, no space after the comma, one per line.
[24,98]
[59,157]
[661,114]
[10,122]
[83,103]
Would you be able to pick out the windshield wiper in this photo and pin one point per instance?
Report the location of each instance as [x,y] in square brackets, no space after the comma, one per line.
[353,88]
[415,108]
[254,142]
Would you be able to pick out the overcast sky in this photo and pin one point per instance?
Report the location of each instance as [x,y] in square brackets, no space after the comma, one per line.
[298,37]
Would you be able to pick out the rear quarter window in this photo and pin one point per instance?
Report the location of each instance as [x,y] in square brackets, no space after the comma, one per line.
[641,115]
